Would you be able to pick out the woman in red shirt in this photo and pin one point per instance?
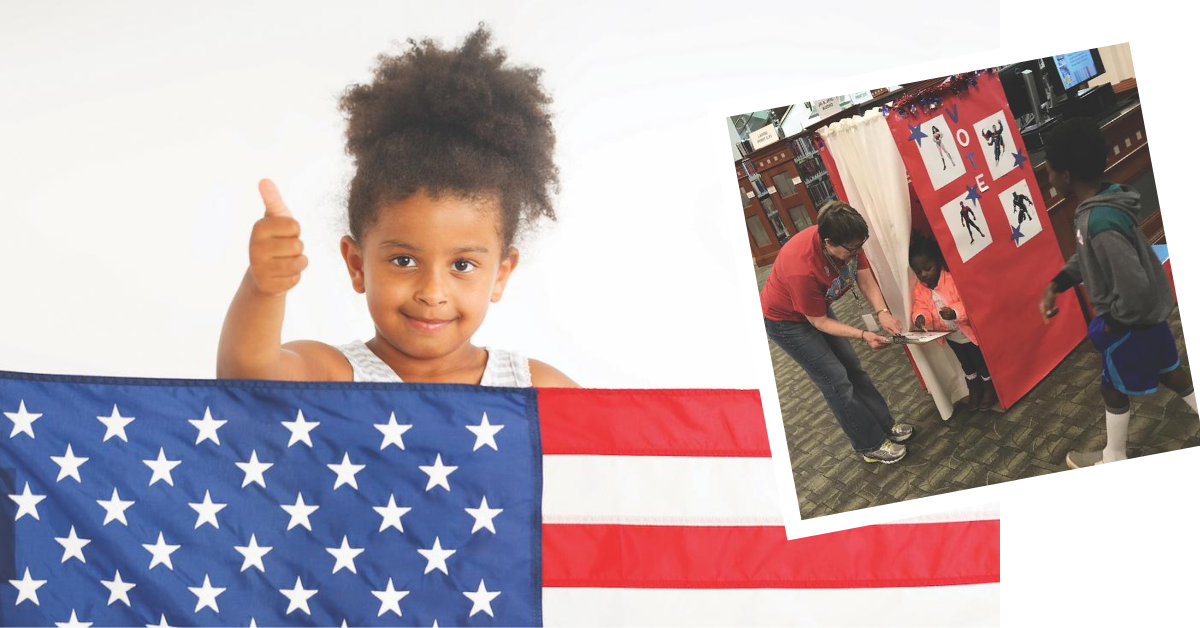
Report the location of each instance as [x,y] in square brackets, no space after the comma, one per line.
[813,269]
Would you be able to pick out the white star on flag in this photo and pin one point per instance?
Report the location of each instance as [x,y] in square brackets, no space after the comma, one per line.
[298,597]
[436,557]
[115,425]
[27,589]
[206,596]
[300,429]
[206,511]
[27,503]
[72,546]
[345,556]
[118,589]
[389,599]
[74,622]
[300,512]
[23,421]
[393,433]
[391,514]
[345,472]
[485,434]
[68,465]
[162,622]
[253,554]
[162,468]
[481,599]
[114,509]
[254,470]
[207,427]
[484,516]
[160,552]
[438,474]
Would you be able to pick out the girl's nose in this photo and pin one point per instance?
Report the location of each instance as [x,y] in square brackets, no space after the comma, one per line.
[432,290]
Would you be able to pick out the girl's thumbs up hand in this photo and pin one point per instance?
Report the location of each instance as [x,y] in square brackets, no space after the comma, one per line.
[276,252]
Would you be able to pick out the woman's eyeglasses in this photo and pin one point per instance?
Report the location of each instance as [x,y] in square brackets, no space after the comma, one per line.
[856,249]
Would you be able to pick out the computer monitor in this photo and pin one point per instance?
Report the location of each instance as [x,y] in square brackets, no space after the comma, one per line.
[1067,72]
[1020,100]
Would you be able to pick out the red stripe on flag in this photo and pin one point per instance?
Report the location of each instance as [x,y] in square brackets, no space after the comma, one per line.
[686,557]
[652,422]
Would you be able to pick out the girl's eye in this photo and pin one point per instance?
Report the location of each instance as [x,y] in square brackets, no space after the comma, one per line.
[404,261]
[463,266]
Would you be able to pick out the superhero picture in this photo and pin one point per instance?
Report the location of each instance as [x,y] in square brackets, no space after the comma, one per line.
[995,137]
[1023,221]
[938,151]
[966,222]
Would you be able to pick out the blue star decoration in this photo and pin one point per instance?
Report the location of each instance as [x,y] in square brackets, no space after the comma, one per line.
[973,194]
[1016,234]
[1019,159]
[915,133]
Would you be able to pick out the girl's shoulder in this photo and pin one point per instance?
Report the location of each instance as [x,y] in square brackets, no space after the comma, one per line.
[546,376]
[310,360]
[511,369]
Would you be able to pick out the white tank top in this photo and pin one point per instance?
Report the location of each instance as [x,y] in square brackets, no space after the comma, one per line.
[504,368]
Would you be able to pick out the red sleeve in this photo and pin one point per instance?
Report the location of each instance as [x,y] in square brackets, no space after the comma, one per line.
[862,260]
[808,297]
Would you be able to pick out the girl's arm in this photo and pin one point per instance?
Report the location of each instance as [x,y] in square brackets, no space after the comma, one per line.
[956,304]
[922,304]
[250,346]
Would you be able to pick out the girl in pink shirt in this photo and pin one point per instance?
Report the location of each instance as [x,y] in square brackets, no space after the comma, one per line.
[937,307]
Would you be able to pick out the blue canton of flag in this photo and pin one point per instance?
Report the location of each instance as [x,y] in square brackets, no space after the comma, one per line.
[171,502]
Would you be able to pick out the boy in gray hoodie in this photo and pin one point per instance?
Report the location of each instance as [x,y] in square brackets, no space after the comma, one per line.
[1125,282]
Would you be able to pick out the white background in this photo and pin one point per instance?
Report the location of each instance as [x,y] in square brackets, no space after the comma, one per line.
[132,135]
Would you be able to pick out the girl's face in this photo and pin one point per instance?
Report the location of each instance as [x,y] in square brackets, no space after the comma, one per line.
[430,267]
[927,270]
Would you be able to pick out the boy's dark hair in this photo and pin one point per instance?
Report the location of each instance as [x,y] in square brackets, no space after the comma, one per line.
[459,122]
[840,223]
[922,244]
[1077,146]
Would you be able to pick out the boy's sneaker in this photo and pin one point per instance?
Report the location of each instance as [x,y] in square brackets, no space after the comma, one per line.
[900,432]
[1080,459]
[888,453]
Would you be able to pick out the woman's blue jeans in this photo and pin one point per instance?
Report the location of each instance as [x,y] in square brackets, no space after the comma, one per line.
[833,366]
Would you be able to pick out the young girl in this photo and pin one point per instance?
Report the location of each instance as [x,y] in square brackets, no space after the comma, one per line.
[453,152]
[937,307]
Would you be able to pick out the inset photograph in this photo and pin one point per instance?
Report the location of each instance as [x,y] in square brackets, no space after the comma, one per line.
[970,284]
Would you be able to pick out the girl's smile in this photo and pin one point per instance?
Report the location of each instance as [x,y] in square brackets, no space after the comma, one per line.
[427,325]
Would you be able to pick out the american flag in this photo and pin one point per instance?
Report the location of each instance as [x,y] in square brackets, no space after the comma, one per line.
[187,502]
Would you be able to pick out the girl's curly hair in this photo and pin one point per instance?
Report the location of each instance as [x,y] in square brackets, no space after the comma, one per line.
[461,122]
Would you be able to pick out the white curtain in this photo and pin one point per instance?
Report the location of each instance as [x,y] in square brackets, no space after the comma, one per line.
[1118,65]
[876,183]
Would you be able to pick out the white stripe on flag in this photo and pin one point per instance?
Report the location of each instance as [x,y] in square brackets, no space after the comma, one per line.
[965,605]
[659,490]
